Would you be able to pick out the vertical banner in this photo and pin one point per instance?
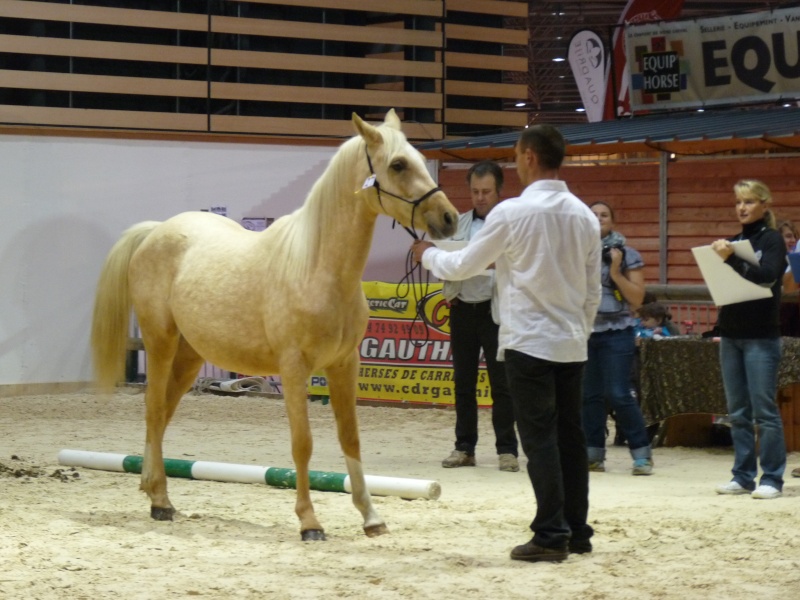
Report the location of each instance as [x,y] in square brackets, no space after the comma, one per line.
[587,59]
[747,58]
[405,357]
[636,11]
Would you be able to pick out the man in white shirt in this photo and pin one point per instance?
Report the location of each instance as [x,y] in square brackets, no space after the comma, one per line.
[545,248]
[472,329]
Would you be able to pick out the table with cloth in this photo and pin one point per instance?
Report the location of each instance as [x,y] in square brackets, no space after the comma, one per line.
[681,375]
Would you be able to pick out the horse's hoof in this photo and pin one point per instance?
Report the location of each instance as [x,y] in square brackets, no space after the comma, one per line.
[313,535]
[162,514]
[376,530]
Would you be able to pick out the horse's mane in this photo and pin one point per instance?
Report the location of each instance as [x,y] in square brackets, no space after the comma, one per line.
[299,233]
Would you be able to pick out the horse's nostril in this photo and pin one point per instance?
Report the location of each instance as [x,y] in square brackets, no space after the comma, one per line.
[448,218]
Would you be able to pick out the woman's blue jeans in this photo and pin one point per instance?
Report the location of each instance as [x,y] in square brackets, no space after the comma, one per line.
[608,377]
[750,377]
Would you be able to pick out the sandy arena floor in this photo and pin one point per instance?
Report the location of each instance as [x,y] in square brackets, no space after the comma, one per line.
[83,534]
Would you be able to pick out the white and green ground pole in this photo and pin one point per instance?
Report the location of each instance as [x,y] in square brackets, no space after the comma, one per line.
[273,476]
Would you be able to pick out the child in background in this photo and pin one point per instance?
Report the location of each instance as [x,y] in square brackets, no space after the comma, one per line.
[655,322]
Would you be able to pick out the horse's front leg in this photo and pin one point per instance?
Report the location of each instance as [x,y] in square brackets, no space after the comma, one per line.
[342,387]
[296,400]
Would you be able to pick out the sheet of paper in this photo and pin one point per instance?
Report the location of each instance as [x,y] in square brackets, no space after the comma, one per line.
[744,250]
[452,246]
[725,285]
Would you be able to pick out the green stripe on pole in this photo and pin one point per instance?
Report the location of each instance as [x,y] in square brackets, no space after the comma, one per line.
[178,468]
[318,480]
[132,464]
[173,467]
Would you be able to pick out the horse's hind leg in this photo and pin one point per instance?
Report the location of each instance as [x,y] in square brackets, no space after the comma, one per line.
[296,400]
[168,379]
[342,387]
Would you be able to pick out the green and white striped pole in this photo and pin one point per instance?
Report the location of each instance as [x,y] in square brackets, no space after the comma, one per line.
[273,476]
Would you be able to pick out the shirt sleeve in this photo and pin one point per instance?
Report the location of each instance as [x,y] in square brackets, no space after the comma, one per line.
[481,251]
[772,263]
[594,287]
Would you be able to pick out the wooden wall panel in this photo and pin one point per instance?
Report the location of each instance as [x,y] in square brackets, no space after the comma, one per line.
[490,7]
[430,8]
[701,203]
[268,63]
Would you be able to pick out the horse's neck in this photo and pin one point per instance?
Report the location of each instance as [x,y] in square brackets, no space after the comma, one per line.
[344,221]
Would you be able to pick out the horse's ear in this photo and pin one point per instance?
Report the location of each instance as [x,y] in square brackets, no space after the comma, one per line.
[392,120]
[369,132]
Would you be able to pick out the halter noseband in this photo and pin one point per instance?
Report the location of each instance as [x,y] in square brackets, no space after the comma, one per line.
[372,181]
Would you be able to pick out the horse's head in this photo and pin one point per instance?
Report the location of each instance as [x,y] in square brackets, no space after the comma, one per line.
[404,188]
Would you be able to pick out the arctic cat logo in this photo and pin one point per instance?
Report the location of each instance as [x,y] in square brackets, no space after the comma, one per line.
[395,304]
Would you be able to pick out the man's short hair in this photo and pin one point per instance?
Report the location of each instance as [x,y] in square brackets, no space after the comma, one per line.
[487,167]
[546,142]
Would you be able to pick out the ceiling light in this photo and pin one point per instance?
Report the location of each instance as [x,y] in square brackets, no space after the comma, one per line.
[701,110]
[787,105]
[520,104]
[559,59]
[581,109]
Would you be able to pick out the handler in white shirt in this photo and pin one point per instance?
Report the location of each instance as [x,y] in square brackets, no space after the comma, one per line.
[545,248]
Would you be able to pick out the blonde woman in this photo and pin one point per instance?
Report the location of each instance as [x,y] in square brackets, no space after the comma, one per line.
[750,349]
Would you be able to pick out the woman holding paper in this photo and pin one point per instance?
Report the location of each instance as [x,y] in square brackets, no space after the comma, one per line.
[612,346]
[750,349]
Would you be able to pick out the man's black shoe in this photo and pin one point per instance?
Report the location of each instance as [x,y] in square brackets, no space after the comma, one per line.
[580,546]
[534,553]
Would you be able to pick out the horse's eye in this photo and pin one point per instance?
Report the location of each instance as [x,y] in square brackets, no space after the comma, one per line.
[398,166]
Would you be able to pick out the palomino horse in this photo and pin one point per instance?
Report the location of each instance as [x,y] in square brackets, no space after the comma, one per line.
[287,300]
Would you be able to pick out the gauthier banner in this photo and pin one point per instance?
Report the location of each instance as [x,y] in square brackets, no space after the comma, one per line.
[636,11]
[405,358]
[588,63]
[737,59]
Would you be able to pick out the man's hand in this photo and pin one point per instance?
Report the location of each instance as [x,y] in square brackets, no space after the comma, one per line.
[418,249]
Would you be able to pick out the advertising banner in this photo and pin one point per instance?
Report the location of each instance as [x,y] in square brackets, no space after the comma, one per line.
[588,63]
[617,94]
[725,60]
[406,357]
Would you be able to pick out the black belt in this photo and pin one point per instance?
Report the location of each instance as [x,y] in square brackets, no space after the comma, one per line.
[457,301]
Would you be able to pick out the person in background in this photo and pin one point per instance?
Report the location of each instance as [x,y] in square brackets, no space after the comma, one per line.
[611,351]
[655,321]
[750,349]
[789,310]
[544,245]
[472,328]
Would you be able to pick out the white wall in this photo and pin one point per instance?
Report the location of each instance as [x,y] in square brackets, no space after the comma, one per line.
[65,201]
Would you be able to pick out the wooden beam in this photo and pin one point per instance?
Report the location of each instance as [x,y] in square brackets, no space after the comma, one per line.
[324,31]
[326,64]
[482,61]
[487,117]
[425,8]
[102,84]
[76,117]
[491,90]
[487,34]
[490,7]
[98,15]
[321,95]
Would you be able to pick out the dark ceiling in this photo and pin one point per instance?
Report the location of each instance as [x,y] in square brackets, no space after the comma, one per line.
[553,94]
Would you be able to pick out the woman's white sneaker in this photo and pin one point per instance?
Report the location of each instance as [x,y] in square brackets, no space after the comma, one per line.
[766,492]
